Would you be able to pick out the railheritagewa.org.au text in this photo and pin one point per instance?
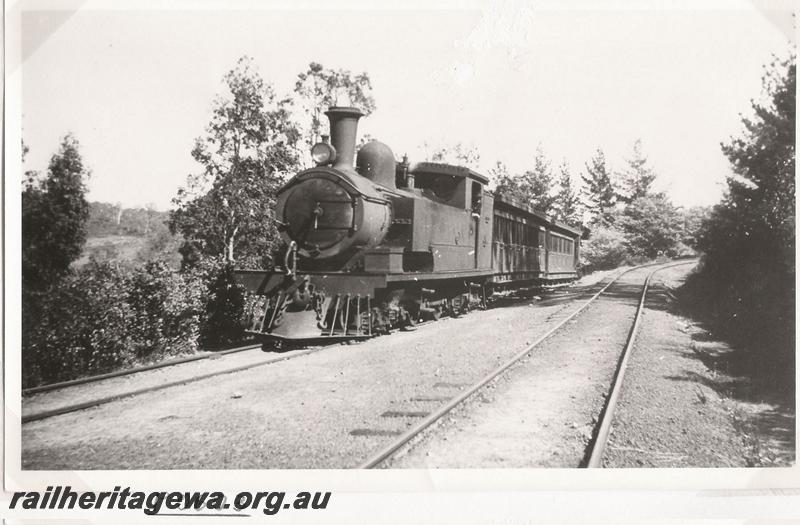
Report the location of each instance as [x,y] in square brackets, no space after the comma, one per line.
[161,502]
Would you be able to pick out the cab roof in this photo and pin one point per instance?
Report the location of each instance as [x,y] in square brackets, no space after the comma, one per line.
[439,168]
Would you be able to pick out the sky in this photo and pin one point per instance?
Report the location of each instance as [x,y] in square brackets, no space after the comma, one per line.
[135,86]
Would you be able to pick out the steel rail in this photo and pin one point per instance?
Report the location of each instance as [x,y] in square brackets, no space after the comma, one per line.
[66,409]
[130,393]
[44,414]
[598,445]
[414,431]
[135,370]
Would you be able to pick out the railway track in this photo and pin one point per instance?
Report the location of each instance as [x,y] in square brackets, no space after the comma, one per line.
[334,409]
[594,453]
[600,436]
[94,401]
[97,401]
[135,370]
[90,401]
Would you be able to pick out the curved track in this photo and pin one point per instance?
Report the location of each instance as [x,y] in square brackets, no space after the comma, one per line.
[85,402]
[93,402]
[594,453]
[397,445]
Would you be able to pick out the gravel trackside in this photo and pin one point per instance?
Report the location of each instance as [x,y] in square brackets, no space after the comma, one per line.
[328,409]
[541,412]
[55,399]
[681,406]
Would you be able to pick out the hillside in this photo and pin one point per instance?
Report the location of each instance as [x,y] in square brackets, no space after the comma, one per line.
[128,235]
[112,219]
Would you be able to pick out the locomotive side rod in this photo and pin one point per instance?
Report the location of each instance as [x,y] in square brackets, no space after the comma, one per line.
[406,437]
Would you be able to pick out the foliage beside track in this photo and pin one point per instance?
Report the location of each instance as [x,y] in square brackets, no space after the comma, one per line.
[90,309]
[747,281]
[105,316]
[626,221]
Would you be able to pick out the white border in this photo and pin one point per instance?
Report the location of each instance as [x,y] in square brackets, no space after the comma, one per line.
[558,492]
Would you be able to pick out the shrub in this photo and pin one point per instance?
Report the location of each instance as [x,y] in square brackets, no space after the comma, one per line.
[81,326]
[161,245]
[106,316]
[747,281]
[652,226]
[222,320]
[604,250]
[167,308]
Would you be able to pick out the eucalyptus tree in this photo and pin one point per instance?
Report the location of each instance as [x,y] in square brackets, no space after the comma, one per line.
[318,88]
[249,146]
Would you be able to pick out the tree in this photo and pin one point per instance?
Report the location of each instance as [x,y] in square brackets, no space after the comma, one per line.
[762,189]
[605,249]
[31,176]
[567,205]
[498,173]
[693,218]
[638,177]
[248,148]
[54,216]
[652,226]
[749,238]
[534,187]
[459,154]
[598,194]
[319,88]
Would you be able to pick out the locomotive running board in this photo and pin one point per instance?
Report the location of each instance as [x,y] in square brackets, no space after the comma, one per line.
[260,282]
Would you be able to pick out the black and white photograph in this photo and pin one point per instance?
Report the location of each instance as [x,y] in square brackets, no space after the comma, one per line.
[473,246]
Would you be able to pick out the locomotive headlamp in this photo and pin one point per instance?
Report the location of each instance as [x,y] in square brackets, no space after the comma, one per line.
[323,153]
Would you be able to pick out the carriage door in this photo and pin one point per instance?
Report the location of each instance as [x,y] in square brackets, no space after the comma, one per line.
[544,244]
[477,193]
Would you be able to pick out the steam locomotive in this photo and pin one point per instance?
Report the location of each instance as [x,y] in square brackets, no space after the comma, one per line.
[385,244]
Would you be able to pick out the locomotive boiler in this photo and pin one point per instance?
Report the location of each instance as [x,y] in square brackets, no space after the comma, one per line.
[383,244]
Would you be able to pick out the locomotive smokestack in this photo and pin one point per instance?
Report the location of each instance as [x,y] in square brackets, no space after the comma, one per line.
[344,124]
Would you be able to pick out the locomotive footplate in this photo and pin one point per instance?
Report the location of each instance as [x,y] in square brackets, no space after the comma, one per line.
[308,307]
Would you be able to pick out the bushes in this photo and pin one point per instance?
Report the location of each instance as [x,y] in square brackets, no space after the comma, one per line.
[80,326]
[647,228]
[104,317]
[652,226]
[747,281]
[223,303]
[168,308]
[604,250]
